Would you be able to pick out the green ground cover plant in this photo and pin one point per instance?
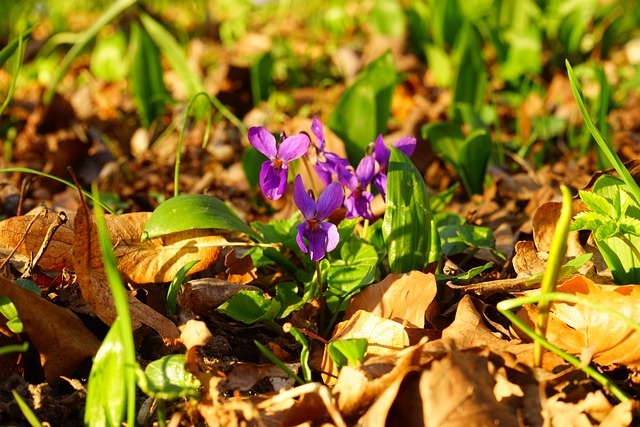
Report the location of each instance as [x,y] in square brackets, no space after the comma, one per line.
[361,168]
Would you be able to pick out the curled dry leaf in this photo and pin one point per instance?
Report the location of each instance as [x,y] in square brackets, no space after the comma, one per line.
[202,295]
[60,337]
[153,261]
[94,286]
[404,298]
[577,328]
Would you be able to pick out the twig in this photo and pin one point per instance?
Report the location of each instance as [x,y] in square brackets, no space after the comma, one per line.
[60,220]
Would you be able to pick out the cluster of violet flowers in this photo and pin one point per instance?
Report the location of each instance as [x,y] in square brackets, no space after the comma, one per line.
[339,176]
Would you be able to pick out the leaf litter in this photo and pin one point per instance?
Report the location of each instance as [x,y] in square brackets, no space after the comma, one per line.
[437,355]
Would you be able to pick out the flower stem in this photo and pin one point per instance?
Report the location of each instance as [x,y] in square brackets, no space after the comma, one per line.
[320,297]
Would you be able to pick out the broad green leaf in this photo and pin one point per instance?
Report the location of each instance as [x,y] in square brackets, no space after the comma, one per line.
[473,160]
[387,18]
[355,269]
[112,12]
[471,72]
[176,283]
[106,400]
[446,20]
[440,64]
[250,307]
[168,379]
[446,140]
[287,296]
[349,351]
[192,211]
[10,312]
[107,61]
[364,108]
[407,221]
[262,78]
[146,74]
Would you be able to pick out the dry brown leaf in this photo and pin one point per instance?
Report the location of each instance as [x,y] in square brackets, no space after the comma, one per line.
[153,261]
[383,335]
[595,406]
[94,286]
[239,270]
[60,337]
[544,225]
[576,327]
[202,295]
[404,298]
[526,261]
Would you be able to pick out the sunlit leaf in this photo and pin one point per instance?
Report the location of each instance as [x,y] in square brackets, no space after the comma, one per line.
[194,211]
[407,220]
[10,312]
[167,378]
[250,307]
[349,351]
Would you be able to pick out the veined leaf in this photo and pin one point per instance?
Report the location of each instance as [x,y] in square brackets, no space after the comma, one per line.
[168,379]
[194,211]
[407,221]
[598,204]
[250,307]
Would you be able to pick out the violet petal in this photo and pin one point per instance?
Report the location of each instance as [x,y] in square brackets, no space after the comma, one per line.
[293,147]
[263,141]
[303,201]
[330,200]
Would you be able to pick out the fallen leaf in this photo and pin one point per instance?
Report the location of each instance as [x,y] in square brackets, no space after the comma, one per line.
[404,298]
[576,327]
[153,261]
[202,295]
[239,270]
[544,225]
[526,261]
[60,337]
[94,286]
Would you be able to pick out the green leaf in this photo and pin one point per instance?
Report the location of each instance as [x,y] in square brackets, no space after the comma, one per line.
[446,140]
[175,55]
[571,267]
[262,78]
[473,160]
[12,46]
[473,272]
[355,269]
[114,10]
[176,283]
[387,18]
[287,296]
[252,161]
[194,211]
[364,108]
[250,307]
[350,351]
[26,410]
[471,72]
[168,379]
[107,57]
[10,312]
[598,204]
[147,83]
[407,220]
[587,221]
[304,353]
[106,392]
[610,154]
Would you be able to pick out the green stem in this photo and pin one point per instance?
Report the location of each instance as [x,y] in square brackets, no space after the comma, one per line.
[162,413]
[554,263]
[320,296]
[506,306]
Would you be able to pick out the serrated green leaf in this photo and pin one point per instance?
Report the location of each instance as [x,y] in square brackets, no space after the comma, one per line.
[194,211]
[598,204]
[349,351]
[630,225]
[587,221]
[406,225]
[168,379]
[250,307]
[606,230]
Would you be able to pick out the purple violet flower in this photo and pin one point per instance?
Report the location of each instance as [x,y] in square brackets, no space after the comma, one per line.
[358,202]
[327,163]
[321,236]
[406,144]
[273,174]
